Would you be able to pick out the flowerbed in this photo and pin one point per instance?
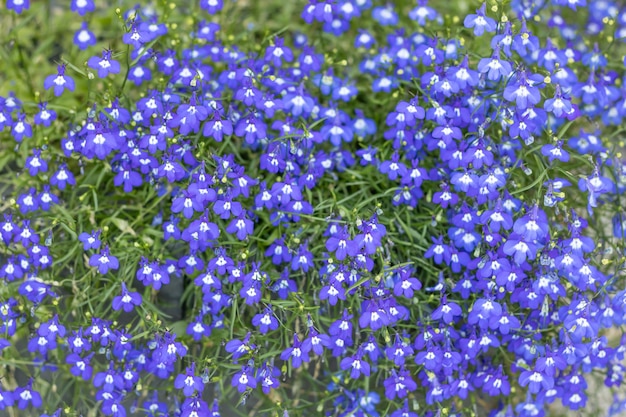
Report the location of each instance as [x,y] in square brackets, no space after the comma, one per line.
[338,208]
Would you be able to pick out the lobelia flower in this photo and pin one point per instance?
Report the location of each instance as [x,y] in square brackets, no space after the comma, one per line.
[242,226]
[90,240]
[303,259]
[18,6]
[140,74]
[406,284]
[399,351]
[338,243]
[480,22]
[217,127]
[153,406]
[135,37]
[100,141]
[126,177]
[364,39]
[297,353]
[198,329]
[36,163]
[279,252]
[127,300]
[356,364]
[505,39]
[45,117]
[240,348]
[315,341]
[494,67]
[322,11]
[496,383]
[62,177]
[559,105]
[523,90]
[268,377]
[21,129]
[194,406]
[189,382]
[60,81]
[84,38]
[423,12]
[393,168]
[212,6]
[485,312]
[12,269]
[187,204]
[8,229]
[104,261]
[82,7]
[535,381]
[284,285]
[200,234]
[385,15]
[27,236]
[266,320]
[524,42]
[447,311]
[555,151]
[190,262]
[404,411]
[105,65]
[109,380]
[189,116]
[277,52]
[399,384]
[370,237]
[244,379]
[27,395]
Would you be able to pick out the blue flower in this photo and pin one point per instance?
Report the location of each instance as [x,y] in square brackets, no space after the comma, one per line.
[189,382]
[266,320]
[385,15]
[82,7]
[18,6]
[63,177]
[104,261]
[60,81]
[127,300]
[45,117]
[244,379]
[494,67]
[27,395]
[105,65]
[21,129]
[212,6]
[297,353]
[423,12]
[480,22]
[84,38]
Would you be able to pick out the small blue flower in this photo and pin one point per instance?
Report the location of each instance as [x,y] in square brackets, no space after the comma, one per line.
[60,82]
[212,6]
[82,7]
[127,300]
[480,22]
[104,261]
[90,240]
[18,6]
[105,65]
[244,379]
[189,382]
[84,38]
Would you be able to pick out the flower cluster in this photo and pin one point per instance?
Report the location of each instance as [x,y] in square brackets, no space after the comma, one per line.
[382,205]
